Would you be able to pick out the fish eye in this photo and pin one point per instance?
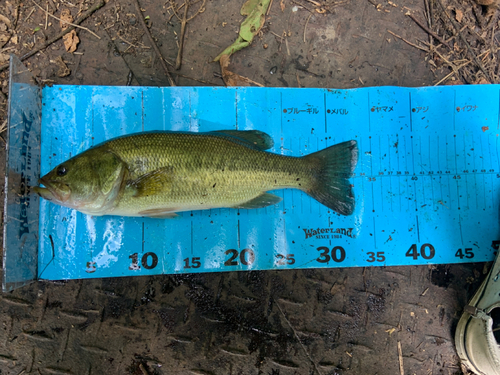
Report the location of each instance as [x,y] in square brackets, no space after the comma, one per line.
[61,170]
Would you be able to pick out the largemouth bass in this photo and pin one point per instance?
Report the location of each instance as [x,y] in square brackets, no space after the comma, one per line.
[156,174]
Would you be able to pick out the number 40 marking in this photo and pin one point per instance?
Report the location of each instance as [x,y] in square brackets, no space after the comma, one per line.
[427,251]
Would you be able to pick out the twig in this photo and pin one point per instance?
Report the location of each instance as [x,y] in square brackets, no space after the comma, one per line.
[29,14]
[298,339]
[66,22]
[133,45]
[428,31]
[281,39]
[269,8]
[16,16]
[178,60]
[407,42]
[47,16]
[428,13]
[305,26]
[469,49]
[449,75]
[298,80]
[4,126]
[80,19]
[400,355]
[155,47]
[197,80]
[184,20]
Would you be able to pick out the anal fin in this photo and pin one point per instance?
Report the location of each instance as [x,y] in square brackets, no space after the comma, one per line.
[159,213]
[262,200]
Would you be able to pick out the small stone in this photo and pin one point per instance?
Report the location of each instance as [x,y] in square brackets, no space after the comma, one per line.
[132,21]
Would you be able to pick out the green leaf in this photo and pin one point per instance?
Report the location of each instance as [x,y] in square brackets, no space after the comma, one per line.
[255,10]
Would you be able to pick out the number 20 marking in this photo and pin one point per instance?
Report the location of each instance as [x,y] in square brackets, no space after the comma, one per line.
[243,258]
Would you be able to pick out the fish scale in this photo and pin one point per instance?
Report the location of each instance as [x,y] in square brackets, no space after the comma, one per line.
[199,164]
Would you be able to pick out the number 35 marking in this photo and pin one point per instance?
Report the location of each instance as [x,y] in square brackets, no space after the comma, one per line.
[380,257]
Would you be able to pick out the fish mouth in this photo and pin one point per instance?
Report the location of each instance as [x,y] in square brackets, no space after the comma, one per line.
[53,191]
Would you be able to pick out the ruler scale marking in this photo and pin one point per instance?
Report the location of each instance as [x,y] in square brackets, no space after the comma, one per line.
[251,234]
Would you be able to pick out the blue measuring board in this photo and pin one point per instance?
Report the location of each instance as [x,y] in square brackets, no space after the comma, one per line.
[427,183]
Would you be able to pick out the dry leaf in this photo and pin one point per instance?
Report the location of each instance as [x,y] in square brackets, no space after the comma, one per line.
[63,68]
[4,38]
[282,5]
[4,58]
[482,81]
[459,15]
[233,79]
[66,18]
[71,41]
[14,39]
[5,20]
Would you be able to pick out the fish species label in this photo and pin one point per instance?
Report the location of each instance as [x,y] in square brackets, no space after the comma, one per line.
[426,185]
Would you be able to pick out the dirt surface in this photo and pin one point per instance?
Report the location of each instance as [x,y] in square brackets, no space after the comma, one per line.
[339,321]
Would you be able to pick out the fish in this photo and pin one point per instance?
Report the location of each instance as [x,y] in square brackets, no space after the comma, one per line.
[160,173]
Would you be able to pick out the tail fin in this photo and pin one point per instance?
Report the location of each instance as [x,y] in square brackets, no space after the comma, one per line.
[333,167]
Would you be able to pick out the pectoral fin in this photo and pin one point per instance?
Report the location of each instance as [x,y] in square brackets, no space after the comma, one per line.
[152,183]
[262,200]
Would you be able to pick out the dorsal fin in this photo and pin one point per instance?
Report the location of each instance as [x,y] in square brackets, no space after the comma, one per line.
[253,138]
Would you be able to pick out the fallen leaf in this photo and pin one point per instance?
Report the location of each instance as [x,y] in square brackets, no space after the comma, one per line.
[3,58]
[5,20]
[255,10]
[63,68]
[4,38]
[233,79]
[390,331]
[14,39]
[71,41]
[282,5]
[66,18]
[459,15]
[482,81]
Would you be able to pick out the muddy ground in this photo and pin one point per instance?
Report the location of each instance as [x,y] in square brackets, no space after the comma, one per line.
[339,321]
